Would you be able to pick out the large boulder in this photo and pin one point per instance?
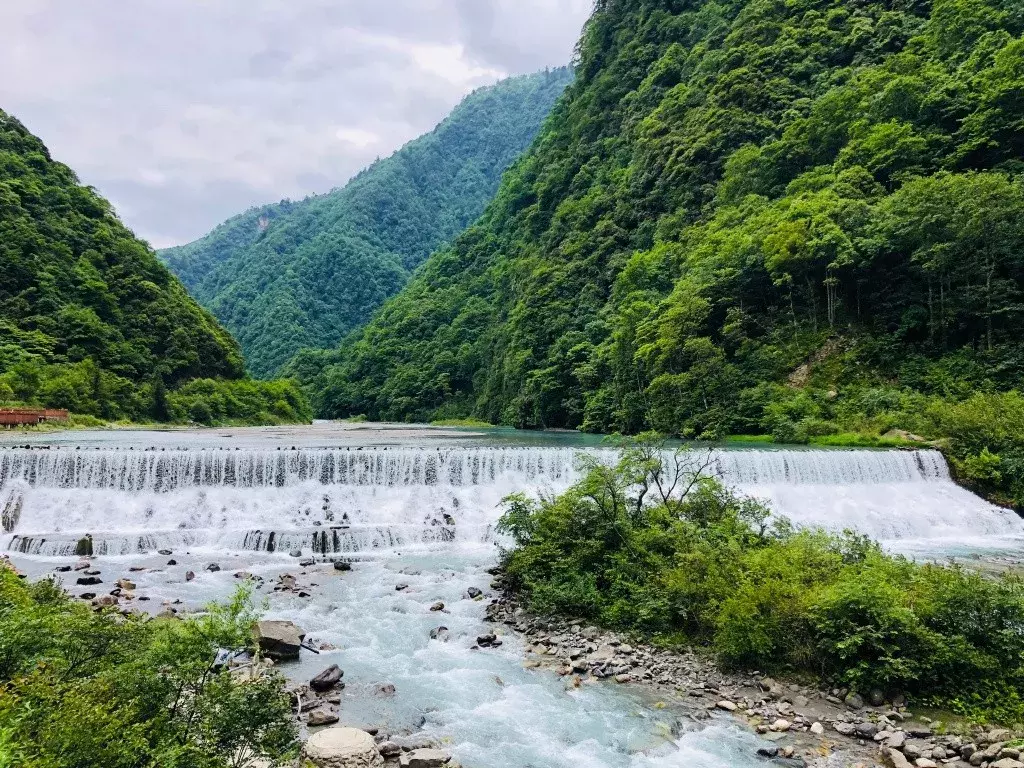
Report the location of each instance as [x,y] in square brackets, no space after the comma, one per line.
[279,639]
[342,748]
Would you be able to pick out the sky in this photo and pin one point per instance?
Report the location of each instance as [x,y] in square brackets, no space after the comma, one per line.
[185,112]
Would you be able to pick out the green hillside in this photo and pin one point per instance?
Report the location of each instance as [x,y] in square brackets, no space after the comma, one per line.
[800,219]
[89,318]
[304,274]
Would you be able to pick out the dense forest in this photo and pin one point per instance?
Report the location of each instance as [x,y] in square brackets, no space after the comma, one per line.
[90,320]
[798,219]
[303,274]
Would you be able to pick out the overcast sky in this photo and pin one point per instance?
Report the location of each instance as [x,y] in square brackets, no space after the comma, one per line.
[185,112]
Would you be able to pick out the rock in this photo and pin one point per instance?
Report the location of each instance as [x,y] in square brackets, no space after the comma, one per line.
[998,734]
[854,700]
[308,563]
[172,562]
[817,729]
[439,633]
[189,575]
[846,729]
[213,567]
[88,595]
[424,758]
[279,639]
[473,593]
[401,587]
[389,749]
[164,552]
[728,706]
[876,698]
[924,762]
[895,759]
[295,553]
[321,717]
[125,584]
[438,606]
[62,568]
[341,565]
[866,730]
[387,689]
[327,679]
[1007,762]
[88,581]
[781,725]
[918,731]
[342,748]
[771,751]
[897,740]
[488,641]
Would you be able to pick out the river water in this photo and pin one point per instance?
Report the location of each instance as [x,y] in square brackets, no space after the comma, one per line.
[418,507]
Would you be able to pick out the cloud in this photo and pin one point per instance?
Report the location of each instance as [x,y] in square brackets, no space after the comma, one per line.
[185,113]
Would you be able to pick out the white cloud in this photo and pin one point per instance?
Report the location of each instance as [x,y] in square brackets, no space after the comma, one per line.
[184,113]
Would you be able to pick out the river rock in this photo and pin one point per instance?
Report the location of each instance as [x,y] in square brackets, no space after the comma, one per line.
[817,729]
[213,567]
[854,701]
[295,553]
[424,758]
[327,679]
[1007,762]
[125,584]
[88,581]
[438,606]
[342,748]
[321,717]
[728,706]
[473,593]
[341,565]
[279,639]
[439,633]
[895,759]
[189,575]
[164,552]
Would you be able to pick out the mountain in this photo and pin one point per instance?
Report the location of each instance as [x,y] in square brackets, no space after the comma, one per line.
[795,219]
[89,318]
[304,274]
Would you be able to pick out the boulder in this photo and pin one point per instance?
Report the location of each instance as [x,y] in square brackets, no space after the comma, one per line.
[189,575]
[125,584]
[424,758]
[279,639]
[438,606]
[88,581]
[213,567]
[854,701]
[341,565]
[1007,762]
[727,705]
[895,759]
[473,593]
[342,748]
[295,553]
[327,679]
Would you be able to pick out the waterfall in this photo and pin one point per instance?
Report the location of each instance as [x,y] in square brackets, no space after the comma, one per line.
[348,500]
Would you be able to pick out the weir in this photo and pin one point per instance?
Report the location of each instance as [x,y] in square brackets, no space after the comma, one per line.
[351,501]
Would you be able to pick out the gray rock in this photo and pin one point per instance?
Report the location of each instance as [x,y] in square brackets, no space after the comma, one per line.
[213,567]
[321,717]
[846,729]
[438,606]
[327,679]
[876,697]
[473,593]
[854,700]
[295,553]
[866,730]
[88,581]
[341,565]
[389,749]
[1007,762]
[895,759]
[342,748]
[424,758]
[279,639]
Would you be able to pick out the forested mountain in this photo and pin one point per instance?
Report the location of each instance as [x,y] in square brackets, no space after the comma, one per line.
[304,274]
[89,318]
[744,217]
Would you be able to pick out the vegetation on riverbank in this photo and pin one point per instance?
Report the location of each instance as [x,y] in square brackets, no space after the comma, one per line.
[85,689]
[656,546]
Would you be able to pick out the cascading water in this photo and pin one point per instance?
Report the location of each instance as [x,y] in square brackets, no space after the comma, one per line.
[336,500]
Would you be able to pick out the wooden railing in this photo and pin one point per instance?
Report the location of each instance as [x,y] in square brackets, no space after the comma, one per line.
[16,417]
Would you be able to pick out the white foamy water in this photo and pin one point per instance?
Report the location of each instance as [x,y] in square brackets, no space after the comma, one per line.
[350,501]
[425,517]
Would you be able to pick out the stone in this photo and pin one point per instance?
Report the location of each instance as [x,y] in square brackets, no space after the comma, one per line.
[387,689]
[876,698]
[728,706]
[473,593]
[189,575]
[924,762]
[295,553]
[846,729]
[172,562]
[88,595]
[279,639]
[897,740]
[424,758]
[213,567]
[125,584]
[88,581]
[854,700]
[771,751]
[817,729]
[487,641]
[438,606]
[327,679]
[401,587]
[342,565]
[439,633]
[389,749]
[895,759]
[1007,762]
[321,717]
[342,748]
[866,730]
[781,725]
[164,552]
[63,568]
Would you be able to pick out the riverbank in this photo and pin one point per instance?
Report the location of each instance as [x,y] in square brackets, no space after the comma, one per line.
[804,726]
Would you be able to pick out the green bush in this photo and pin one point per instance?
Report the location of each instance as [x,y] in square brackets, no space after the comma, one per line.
[81,689]
[218,401]
[651,544]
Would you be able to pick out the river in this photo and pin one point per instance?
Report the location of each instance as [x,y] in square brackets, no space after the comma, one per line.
[417,507]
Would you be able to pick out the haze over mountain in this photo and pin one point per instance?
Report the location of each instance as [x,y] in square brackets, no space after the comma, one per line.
[304,274]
